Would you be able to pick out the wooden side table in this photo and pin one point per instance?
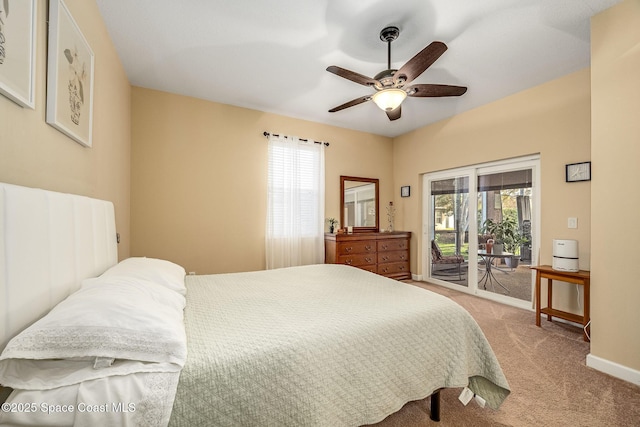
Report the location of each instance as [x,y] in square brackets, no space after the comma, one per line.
[582,277]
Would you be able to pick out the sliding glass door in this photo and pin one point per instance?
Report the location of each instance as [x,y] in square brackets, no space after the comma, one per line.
[504,217]
[449,213]
[480,228]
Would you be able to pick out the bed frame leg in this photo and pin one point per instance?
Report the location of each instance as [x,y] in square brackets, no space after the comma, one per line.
[435,406]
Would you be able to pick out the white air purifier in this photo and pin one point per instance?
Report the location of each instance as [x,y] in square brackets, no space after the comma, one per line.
[565,255]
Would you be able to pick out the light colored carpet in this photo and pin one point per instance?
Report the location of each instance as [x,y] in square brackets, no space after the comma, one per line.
[550,382]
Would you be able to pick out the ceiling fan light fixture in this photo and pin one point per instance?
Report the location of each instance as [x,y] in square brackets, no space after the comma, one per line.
[389,99]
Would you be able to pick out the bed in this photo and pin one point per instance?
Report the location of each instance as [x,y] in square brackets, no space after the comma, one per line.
[138,343]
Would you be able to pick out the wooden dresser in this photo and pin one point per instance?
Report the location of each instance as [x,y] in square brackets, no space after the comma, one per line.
[386,254]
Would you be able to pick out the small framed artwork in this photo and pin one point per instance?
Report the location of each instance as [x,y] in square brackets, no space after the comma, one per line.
[405,191]
[18,51]
[70,65]
[575,172]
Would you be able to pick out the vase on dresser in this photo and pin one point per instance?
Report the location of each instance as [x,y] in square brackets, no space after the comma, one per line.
[391,213]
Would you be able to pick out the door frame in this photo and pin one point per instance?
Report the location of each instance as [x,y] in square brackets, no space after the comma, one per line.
[473,171]
[426,224]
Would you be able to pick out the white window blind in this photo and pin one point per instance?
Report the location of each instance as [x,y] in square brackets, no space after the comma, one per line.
[295,211]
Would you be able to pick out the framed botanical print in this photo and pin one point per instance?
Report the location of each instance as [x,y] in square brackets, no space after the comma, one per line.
[18,51]
[70,65]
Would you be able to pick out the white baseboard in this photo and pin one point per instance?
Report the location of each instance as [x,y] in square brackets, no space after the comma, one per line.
[416,277]
[614,369]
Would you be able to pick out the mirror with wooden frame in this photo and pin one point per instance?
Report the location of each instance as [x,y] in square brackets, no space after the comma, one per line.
[359,203]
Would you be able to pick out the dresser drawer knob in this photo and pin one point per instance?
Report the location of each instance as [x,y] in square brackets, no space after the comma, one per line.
[384,247]
[368,259]
[385,258]
[402,257]
[349,249]
[368,247]
[348,261]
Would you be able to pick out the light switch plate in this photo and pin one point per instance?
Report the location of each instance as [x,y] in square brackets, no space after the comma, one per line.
[572,223]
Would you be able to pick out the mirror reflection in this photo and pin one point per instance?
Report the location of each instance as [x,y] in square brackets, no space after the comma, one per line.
[359,208]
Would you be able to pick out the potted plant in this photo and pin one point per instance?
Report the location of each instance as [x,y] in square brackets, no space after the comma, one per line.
[506,235]
[497,229]
[512,244]
[332,224]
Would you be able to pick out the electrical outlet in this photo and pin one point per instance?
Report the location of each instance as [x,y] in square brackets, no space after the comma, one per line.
[572,223]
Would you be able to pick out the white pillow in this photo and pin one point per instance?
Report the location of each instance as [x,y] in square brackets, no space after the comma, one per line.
[159,271]
[136,323]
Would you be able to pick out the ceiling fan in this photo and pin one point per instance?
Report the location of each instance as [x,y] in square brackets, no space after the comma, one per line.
[390,85]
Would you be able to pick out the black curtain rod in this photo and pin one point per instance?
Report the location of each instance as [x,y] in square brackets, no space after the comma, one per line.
[326,144]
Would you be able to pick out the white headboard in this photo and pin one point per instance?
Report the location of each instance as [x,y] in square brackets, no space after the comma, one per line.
[49,243]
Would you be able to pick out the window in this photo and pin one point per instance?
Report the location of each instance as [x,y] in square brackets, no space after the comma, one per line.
[295,226]
[294,192]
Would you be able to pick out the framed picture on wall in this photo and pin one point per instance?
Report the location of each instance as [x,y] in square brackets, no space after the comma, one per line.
[70,64]
[18,51]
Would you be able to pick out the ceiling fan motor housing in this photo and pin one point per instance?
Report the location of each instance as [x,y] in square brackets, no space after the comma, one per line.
[385,78]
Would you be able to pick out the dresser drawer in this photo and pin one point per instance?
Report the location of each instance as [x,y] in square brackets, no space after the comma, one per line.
[372,268]
[392,245]
[395,269]
[393,256]
[357,247]
[357,259]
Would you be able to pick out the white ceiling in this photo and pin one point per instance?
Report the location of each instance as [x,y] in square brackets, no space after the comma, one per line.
[272,55]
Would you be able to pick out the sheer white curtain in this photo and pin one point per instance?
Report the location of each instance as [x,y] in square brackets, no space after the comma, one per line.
[295,197]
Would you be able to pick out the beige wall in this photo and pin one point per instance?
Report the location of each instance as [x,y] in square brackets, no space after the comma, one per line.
[34,154]
[551,119]
[199,178]
[615,87]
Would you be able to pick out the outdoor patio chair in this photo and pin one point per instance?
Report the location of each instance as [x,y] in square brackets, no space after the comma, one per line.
[438,259]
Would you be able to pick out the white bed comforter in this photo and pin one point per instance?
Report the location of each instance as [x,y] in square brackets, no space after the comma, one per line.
[323,345]
[108,355]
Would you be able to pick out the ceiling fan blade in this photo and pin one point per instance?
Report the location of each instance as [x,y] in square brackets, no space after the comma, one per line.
[352,75]
[394,114]
[420,62]
[428,90]
[350,103]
